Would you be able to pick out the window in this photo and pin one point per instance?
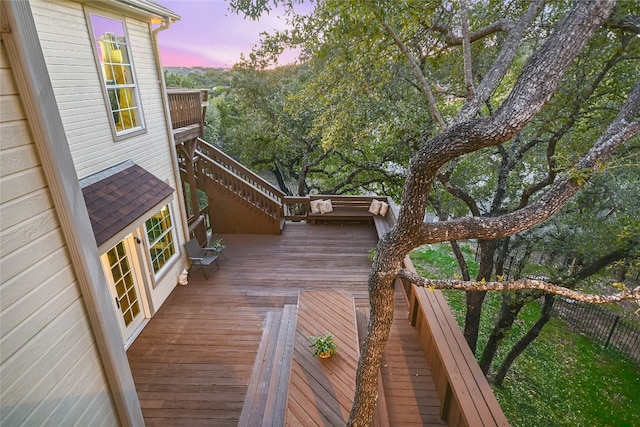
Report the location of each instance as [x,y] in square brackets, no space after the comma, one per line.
[114,61]
[159,230]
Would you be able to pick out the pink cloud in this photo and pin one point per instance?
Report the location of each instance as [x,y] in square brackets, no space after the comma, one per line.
[208,35]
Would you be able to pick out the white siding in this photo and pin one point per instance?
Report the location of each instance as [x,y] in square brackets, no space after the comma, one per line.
[50,369]
[66,43]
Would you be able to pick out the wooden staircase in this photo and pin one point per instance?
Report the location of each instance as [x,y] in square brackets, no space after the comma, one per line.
[240,202]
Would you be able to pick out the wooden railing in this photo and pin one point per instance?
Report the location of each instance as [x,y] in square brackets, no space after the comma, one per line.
[187,108]
[465,395]
[235,168]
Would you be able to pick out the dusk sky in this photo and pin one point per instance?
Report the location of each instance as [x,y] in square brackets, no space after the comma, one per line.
[209,35]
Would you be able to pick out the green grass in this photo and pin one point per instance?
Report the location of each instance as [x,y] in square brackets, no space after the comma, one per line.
[438,261]
[562,379]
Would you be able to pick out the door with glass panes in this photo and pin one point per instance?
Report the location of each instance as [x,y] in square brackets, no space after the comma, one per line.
[123,284]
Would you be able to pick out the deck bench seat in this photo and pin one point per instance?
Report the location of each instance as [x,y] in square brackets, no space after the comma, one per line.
[345,209]
[264,404]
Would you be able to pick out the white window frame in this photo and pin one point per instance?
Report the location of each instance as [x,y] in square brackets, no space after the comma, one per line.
[170,231]
[129,89]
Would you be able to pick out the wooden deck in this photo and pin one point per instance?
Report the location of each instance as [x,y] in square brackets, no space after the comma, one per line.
[193,361]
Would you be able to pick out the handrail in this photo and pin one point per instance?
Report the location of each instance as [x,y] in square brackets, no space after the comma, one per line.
[227,162]
[238,185]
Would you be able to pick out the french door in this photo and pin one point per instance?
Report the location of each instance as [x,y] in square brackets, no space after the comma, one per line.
[123,284]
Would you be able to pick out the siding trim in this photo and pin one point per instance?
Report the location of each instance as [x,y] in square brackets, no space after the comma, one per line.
[19,35]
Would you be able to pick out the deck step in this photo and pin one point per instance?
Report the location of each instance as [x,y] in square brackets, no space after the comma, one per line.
[265,401]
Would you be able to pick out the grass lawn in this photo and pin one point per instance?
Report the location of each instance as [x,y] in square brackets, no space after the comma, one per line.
[562,379]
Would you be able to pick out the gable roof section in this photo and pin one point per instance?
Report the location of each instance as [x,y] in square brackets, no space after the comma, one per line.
[121,196]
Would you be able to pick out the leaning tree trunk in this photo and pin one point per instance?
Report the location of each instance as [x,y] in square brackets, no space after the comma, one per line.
[509,310]
[475,299]
[527,339]
[381,300]
[535,85]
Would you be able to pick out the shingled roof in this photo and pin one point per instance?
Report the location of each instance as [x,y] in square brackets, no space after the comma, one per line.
[120,196]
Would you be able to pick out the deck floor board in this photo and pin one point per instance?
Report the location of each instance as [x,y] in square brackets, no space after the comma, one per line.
[193,361]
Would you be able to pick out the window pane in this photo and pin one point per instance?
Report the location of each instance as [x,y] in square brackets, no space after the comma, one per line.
[159,230]
[113,56]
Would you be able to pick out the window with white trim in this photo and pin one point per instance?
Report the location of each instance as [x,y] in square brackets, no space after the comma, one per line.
[159,230]
[118,79]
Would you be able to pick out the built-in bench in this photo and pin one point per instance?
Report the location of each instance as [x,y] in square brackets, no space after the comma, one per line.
[266,398]
[345,208]
[466,399]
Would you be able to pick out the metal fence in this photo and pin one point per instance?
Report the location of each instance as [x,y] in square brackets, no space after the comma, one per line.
[609,328]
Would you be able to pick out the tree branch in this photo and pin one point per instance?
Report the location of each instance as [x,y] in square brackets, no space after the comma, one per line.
[502,63]
[466,50]
[417,71]
[542,73]
[503,25]
[621,130]
[525,284]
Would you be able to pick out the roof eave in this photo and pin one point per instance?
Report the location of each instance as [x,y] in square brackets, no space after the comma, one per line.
[149,9]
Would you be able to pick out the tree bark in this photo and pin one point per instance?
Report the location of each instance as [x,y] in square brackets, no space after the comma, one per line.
[527,339]
[474,300]
[508,313]
[535,86]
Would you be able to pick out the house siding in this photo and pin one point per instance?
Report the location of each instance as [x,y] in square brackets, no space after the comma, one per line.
[67,49]
[50,369]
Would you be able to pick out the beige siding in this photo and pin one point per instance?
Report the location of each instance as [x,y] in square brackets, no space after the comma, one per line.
[50,370]
[66,42]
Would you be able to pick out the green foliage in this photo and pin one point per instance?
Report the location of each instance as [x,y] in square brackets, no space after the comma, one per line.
[323,345]
[562,379]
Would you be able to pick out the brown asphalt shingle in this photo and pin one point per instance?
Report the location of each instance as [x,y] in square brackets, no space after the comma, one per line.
[121,198]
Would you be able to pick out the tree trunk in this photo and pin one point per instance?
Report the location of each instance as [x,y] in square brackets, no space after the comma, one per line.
[503,253]
[527,339]
[462,263]
[381,299]
[475,299]
[535,85]
[509,310]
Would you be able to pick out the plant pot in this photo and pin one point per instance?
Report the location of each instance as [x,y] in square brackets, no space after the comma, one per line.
[324,355]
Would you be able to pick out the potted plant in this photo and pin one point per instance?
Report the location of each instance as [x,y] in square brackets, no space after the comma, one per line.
[324,345]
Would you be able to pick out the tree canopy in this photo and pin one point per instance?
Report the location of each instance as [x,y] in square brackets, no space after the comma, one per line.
[510,108]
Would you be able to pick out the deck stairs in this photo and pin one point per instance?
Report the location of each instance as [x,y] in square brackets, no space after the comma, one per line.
[266,399]
[242,202]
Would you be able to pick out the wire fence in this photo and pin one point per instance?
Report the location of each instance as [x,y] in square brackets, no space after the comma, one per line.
[610,329]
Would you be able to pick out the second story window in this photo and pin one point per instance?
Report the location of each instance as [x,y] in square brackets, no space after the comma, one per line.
[114,60]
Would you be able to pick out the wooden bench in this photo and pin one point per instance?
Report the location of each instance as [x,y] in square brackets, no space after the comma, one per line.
[465,395]
[466,399]
[345,209]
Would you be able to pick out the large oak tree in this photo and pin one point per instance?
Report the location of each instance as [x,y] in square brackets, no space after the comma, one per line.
[531,59]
